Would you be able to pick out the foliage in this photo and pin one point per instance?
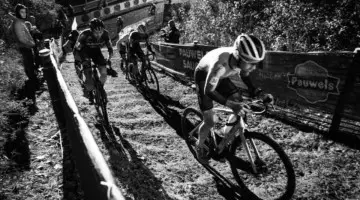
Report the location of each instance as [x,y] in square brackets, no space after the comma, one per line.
[44,11]
[301,25]
[12,78]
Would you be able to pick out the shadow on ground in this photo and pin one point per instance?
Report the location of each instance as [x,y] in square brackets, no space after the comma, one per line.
[128,167]
[71,179]
[16,145]
[301,121]
[161,104]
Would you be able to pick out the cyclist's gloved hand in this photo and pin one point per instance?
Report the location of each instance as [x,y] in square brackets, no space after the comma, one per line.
[254,93]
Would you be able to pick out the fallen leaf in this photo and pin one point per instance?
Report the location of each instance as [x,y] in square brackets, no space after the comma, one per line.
[57,166]
[40,157]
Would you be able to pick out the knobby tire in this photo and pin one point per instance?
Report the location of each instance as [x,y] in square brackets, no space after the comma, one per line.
[151,80]
[290,174]
[101,101]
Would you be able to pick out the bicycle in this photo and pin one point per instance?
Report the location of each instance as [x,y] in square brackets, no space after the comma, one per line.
[100,96]
[133,74]
[251,165]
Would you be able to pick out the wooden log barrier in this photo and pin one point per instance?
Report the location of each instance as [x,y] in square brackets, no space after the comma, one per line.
[96,178]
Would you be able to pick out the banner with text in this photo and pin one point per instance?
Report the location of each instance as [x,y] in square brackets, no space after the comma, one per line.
[182,58]
[296,79]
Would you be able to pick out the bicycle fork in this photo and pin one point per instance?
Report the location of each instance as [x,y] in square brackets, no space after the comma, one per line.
[246,146]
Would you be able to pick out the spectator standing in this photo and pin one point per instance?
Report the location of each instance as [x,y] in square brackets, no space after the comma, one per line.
[119,27]
[173,35]
[280,44]
[25,44]
[119,24]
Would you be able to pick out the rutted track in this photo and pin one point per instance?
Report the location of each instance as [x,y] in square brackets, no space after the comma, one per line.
[157,164]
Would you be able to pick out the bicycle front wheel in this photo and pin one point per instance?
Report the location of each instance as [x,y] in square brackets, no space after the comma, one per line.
[101,102]
[275,176]
[130,74]
[151,80]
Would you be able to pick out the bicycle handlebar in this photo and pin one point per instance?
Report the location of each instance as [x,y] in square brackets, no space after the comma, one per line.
[253,106]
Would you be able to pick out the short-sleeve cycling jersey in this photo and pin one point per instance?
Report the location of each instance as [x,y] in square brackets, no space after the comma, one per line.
[86,39]
[135,38]
[123,41]
[212,77]
[90,47]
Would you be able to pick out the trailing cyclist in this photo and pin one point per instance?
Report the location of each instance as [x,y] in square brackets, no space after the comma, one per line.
[89,46]
[122,44]
[69,47]
[212,78]
[134,48]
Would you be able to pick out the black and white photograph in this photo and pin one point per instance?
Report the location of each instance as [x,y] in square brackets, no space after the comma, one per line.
[180,100]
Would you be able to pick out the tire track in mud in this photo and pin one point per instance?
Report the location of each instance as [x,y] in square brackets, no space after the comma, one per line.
[157,163]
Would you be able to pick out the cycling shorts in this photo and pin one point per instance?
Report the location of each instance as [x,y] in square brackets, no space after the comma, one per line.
[94,54]
[225,87]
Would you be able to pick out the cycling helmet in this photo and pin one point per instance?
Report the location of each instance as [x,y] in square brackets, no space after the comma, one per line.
[96,24]
[250,48]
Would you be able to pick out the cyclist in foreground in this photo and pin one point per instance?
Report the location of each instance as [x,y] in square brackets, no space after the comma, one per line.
[212,79]
[89,46]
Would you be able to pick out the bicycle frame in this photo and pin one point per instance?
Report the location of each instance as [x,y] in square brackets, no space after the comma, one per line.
[231,135]
[135,61]
[247,168]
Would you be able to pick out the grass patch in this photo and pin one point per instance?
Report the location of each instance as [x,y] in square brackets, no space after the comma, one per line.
[13,113]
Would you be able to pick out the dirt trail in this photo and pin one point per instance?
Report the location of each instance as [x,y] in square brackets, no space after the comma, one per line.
[158,165]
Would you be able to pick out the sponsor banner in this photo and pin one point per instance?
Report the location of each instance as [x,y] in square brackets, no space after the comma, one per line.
[182,58]
[106,11]
[304,80]
[312,82]
[295,79]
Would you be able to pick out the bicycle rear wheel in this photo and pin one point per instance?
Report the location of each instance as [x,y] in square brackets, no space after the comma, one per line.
[275,178]
[151,80]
